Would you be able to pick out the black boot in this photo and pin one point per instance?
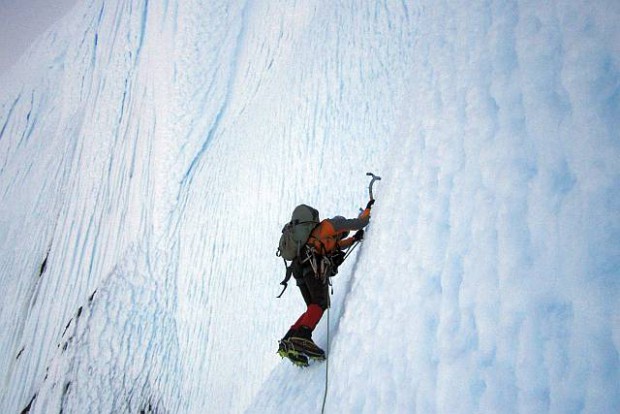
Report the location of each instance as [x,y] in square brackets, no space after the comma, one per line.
[302,342]
[291,332]
[304,332]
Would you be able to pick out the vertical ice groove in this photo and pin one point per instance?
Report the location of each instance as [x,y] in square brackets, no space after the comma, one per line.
[143,27]
[29,123]
[8,116]
[96,27]
[232,78]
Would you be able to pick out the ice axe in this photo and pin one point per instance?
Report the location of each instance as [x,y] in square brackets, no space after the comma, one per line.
[374,178]
[370,203]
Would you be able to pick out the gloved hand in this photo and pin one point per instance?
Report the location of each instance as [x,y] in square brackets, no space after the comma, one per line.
[370,203]
[359,235]
[337,258]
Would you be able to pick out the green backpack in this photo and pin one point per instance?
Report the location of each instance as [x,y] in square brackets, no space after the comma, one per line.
[296,232]
[294,236]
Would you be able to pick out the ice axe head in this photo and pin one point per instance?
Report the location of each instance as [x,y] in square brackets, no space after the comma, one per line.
[374,178]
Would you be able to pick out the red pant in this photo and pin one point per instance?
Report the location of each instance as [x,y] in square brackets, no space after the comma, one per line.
[316,295]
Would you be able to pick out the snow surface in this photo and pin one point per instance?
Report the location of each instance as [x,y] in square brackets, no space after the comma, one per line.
[151,151]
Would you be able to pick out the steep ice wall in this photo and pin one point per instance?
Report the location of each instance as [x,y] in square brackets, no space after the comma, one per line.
[150,152]
[489,278]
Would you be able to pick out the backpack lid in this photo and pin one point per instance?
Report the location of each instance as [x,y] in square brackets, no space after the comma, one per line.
[305,213]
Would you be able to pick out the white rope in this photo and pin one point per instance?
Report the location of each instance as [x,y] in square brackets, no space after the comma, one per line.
[326,366]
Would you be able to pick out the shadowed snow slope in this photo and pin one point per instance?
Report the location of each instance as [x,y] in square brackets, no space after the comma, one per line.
[151,151]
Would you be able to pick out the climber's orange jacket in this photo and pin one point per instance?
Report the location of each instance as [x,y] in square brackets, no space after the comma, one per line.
[328,235]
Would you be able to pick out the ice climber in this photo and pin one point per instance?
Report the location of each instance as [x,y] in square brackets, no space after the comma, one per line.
[316,251]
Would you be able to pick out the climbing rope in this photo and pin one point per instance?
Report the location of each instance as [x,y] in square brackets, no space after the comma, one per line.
[326,366]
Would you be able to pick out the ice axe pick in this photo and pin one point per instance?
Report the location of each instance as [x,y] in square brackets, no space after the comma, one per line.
[374,178]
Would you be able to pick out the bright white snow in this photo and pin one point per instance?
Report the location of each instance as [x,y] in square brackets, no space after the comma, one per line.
[151,151]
